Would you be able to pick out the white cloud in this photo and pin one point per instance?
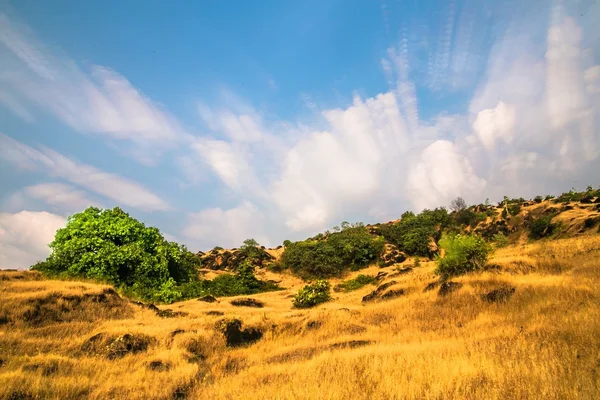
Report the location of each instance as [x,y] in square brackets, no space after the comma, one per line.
[12,103]
[24,237]
[112,186]
[58,197]
[99,101]
[496,123]
[226,228]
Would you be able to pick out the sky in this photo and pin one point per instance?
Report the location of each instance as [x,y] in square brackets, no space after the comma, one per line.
[218,121]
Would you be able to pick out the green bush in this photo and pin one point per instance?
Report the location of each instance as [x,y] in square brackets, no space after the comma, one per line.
[500,240]
[514,209]
[542,227]
[110,246]
[356,283]
[464,253]
[417,262]
[352,247]
[311,295]
[413,233]
[538,199]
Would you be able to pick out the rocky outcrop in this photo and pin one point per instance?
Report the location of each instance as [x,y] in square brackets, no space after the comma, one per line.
[391,256]
[230,260]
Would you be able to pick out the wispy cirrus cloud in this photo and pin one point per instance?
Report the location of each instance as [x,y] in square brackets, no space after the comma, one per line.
[95,100]
[54,164]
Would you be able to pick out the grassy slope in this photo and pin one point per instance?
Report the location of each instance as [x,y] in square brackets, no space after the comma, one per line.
[543,343]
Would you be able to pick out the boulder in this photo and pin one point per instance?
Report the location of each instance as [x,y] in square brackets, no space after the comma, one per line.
[247,302]
[392,294]
[431,286]
[208,299]
[498,295]
[235,336]
[448,287]
[392,255]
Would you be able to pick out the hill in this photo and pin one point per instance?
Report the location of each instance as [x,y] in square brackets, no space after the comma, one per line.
[526,326]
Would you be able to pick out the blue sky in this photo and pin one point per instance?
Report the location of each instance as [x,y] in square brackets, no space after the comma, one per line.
[219,121]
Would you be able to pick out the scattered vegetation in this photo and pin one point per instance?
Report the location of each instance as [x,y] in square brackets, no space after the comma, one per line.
[542,227]
[413,234]
[463,253]
[356,283]
[500,240]
[312,295]
[351,247]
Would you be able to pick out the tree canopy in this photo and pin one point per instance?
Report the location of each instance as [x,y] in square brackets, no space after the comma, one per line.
[111,246]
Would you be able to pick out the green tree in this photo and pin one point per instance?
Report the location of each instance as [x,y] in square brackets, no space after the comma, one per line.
[110,246]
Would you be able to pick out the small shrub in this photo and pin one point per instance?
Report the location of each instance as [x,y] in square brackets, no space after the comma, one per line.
[417,262]
[311,295]
[504,213]
[464,253]
[356,283]
[514,209]
[549,197]
[500,240]
[538,199]
[541,227]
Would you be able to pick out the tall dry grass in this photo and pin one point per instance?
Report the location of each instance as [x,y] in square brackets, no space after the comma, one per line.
[543,343]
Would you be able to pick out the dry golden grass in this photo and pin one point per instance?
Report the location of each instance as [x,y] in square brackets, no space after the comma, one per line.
[543,343]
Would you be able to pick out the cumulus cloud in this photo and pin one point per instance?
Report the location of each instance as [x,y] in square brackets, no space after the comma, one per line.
[24,237]
[226,228]
[529,128]
[114,187]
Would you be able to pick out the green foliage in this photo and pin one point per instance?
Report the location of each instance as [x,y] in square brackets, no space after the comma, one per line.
[500,239]
[311,295]
[542,227]
[243,282]
[110,246]
[464,253]
[250,248]
[286,243]
[538,199]
[352,247]
[413,233]
[417,262]
[357,283]
[504,213]
[514,209]
[217,248]
[548,197]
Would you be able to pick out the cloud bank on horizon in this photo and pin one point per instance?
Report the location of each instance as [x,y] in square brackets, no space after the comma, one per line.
[486,101]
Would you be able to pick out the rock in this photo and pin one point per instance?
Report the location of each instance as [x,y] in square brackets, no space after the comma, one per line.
[431,286]
[406,270]
[449,287]
[391,255]
[314,324]
[498,295]
[350,344]
[2,362]
[381,275]
[235,336]
[158,366]
[381,288]
[376,293]
[194,347]
[392,294]
[370,297]
[247,302]
[113,347]
[213,312]
[208,299]
[587,199]
[170,313]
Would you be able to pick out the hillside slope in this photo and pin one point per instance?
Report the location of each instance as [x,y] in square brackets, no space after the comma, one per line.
[528,327]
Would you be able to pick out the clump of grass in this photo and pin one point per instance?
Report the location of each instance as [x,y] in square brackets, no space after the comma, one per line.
[356,283]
